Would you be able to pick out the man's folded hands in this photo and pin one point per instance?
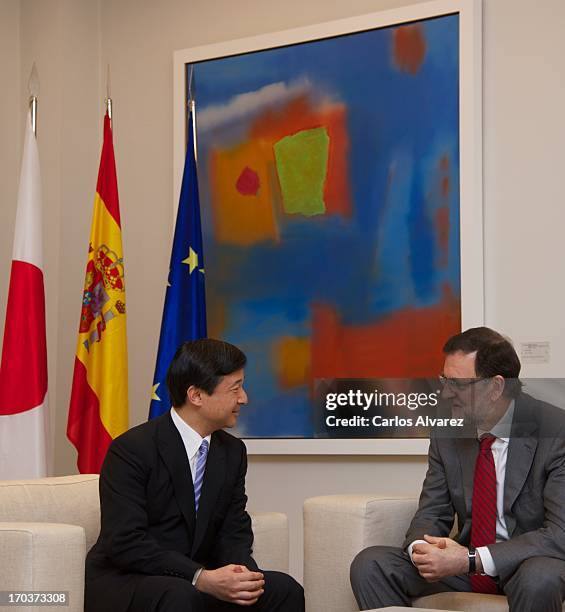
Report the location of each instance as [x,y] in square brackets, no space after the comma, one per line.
[233,583]
[439,558]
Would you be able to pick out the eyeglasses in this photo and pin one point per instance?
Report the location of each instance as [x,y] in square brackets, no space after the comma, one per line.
[458,383]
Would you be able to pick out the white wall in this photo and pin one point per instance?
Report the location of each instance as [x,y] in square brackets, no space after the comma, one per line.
[524,140]
[73,40]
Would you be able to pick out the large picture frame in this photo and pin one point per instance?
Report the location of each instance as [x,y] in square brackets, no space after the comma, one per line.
[468,15]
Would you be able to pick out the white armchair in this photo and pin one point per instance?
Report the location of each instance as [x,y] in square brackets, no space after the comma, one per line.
[337,527]
[47,526]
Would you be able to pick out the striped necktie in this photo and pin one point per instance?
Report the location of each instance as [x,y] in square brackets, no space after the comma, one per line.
[483,518]
[200,469]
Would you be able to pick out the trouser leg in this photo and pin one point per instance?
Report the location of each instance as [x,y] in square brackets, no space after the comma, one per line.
[538,585]
[384,576]
[165,594]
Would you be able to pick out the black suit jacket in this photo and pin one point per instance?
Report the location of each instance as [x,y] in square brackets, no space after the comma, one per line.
[148,520]
[534,488]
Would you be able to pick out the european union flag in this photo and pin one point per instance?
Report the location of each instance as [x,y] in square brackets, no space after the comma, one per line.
[184,314]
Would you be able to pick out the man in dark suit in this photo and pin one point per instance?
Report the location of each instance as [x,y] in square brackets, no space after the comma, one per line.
[505,484]
[175,536]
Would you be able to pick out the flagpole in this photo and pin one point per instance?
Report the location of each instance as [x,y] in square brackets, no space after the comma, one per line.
[192,110]
[33,86]
[33,109]
[108,97]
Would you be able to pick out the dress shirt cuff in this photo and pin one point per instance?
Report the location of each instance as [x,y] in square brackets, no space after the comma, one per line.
[411,546]
[489,568]
[196,576]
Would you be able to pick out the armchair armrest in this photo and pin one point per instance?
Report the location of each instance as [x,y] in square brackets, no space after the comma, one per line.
[43,557]
[270,546]
[336,528]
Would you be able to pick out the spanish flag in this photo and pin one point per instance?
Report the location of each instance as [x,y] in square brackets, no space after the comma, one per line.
[98,409]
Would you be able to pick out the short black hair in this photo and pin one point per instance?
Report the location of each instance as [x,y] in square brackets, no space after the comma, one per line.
[495,355]
[201,363]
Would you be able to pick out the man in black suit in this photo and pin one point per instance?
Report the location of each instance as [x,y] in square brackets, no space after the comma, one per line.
[175,536]
[505,484]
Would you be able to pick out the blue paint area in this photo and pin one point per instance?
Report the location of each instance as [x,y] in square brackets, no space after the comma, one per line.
[382,258]
[422,246]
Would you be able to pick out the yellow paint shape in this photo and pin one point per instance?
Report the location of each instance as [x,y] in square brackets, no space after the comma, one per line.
[292,361]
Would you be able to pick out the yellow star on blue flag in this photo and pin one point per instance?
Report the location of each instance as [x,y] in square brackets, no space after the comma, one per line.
[192,260]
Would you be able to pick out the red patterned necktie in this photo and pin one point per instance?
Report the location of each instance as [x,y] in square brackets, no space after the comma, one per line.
[483,520]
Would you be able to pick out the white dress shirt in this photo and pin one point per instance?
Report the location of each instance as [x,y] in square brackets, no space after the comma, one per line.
[500,453]
[192,441]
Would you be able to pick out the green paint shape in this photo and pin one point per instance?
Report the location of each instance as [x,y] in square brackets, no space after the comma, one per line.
[302,161]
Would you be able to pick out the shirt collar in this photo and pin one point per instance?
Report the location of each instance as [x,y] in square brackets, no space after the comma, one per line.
[191,438]
[502,429]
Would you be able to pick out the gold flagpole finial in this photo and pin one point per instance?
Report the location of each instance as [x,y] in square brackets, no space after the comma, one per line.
[33,87]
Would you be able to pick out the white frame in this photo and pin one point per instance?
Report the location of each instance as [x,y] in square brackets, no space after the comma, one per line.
[471,179]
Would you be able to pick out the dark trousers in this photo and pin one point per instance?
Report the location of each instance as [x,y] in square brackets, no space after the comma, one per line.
[384,576]
[166,594]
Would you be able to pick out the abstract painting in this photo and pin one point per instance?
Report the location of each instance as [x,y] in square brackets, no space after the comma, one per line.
[329,175]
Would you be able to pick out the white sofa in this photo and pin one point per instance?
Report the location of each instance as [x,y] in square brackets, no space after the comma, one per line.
[337,527]
[47,526]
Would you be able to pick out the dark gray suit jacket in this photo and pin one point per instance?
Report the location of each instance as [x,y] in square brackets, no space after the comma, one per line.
[534,488]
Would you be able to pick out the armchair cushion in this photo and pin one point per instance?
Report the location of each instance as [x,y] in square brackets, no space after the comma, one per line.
[336,528]
[43,557]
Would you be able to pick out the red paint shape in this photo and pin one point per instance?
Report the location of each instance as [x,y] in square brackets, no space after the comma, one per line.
[445,184]
[299,115]
[442,228]
[442,211]
[405,344]
[107,184]
[23,372]
[336,188]
[85,428]
[248,182]
[409,48]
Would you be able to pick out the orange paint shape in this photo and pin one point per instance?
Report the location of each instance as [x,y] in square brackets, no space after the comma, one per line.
[243,219]
[406,344]
[298,115]
[409,48]
[292,361]
[216,313]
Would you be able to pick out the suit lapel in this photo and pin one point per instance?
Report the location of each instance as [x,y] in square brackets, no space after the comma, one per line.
[211,487]
[171,449]
[521,450]
[467,451]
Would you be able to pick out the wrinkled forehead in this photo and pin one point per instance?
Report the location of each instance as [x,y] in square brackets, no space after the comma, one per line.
[460,365]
